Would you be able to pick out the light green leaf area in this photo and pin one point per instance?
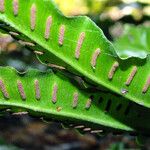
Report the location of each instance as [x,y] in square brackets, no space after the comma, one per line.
[134,42]
[53,96]
[76,44]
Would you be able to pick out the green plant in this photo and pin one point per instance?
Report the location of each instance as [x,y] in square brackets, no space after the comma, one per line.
[79,46]
[139,39]
[52,95]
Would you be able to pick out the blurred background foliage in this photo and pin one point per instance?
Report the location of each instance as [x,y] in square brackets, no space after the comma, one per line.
[26,132]
[113,9]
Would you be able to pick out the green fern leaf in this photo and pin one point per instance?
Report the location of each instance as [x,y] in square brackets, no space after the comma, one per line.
[53,96]
[76,44]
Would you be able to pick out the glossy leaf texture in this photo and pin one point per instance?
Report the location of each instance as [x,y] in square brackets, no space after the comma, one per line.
[134,42]
[53,96]
[76,44]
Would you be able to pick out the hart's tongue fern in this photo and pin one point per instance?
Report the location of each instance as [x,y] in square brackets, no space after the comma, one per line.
[78,45]
[53,96]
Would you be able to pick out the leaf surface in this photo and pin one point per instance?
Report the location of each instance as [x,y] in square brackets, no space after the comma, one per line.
[76,44]
[53,96]
[134,42]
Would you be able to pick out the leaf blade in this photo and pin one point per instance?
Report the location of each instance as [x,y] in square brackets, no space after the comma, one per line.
[64,55]
[102,113]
